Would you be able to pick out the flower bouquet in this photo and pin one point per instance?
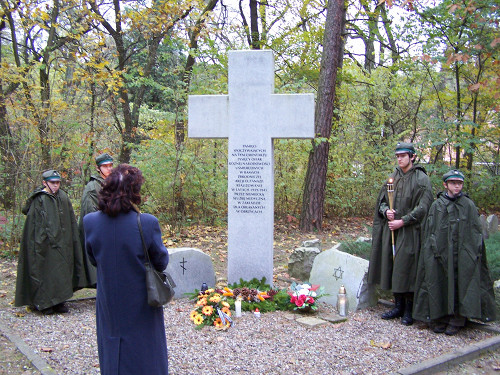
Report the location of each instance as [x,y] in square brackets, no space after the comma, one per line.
[211,310]
[304,296]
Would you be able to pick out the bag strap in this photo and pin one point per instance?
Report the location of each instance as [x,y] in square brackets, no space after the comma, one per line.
[172,283]
[142,238]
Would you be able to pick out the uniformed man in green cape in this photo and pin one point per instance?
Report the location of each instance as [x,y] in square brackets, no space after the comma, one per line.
[453,279]
[89,203]
[50,256]
[394,265]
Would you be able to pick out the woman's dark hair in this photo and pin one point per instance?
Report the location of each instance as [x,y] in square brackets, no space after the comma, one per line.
[121,189]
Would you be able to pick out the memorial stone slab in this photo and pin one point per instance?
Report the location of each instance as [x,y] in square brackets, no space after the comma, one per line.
[334,268]
[301,261]
[311,322]
[312,243]
[251,116]
[492,222]
[496,289]
[190,268]
[333,318]
[484,226]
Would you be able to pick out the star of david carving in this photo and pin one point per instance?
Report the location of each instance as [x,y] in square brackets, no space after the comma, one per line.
[338,273]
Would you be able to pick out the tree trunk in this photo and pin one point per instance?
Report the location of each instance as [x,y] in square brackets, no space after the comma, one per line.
[130,107]
[472,146]
[459,113]
[369,41]
[470,153]
[311,217]
[186,76]
[87,168]
[390,36]
[179,206]
[254,24]
[44,121]
[8,146]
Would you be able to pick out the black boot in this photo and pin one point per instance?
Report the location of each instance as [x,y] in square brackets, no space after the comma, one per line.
[397,311]
[407,318]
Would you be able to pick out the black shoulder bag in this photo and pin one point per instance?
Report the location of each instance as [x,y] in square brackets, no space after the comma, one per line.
[160,285]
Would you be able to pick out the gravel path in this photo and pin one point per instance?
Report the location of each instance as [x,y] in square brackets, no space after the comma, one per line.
[275,343]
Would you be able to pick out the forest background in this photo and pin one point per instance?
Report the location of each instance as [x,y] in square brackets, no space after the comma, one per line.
[78,78]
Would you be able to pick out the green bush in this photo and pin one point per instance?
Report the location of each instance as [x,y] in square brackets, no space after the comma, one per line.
[11,225]
[359,249]
[184,186]
[493,255]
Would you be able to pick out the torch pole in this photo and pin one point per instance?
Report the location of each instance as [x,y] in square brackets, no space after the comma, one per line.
[390,193]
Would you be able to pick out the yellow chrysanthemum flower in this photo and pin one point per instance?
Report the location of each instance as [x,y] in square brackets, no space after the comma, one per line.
[226,310]
[198,320]
[225,304]
[201,302]
[207,310]
[211,290]
[193,315]
[218,323]
[215,298]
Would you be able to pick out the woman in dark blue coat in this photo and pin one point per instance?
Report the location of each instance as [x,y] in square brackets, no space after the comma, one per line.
[130,333]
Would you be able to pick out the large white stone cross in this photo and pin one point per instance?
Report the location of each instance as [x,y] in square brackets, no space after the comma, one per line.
[251,115]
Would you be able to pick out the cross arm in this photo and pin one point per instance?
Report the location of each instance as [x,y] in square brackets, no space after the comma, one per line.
[292,116]
[208,116]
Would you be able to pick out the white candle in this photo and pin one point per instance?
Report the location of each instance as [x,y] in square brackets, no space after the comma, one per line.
[237,307]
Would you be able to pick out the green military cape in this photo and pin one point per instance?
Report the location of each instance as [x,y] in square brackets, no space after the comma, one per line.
[435,285]
[89,203]
[50,256]
[412,199]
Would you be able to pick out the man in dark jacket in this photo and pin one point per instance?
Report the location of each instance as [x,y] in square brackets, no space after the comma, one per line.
[50,255]
[104,165]
[393,263]
[453,280]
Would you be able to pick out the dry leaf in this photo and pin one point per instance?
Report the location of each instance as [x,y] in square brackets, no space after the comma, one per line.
[474,87]
[47,350]
[383,345]
[359,319]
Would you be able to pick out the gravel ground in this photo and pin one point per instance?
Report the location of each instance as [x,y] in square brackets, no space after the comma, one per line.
[275,343]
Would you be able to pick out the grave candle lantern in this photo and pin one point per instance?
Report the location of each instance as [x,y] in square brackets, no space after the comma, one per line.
[204,288]
[342,302]
[237,306]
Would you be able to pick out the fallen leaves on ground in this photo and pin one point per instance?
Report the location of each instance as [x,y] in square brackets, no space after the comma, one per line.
[383,345]
[212,240]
